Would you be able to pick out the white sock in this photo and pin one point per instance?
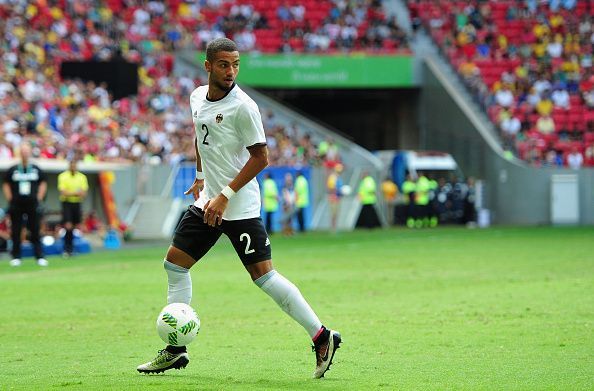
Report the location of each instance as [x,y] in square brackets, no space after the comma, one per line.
[179,288]
[288,297]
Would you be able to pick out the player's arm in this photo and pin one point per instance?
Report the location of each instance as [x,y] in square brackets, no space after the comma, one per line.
[198,184]
[214,209]
[256,163]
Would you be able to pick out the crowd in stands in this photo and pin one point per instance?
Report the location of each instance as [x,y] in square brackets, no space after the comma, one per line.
[301,26]
[65,117]
[529,64]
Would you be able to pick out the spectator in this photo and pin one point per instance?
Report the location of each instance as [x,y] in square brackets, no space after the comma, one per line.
[545,125]
[545,106]
[504,97]
[555,48]
[510,128]
[560,98]
[575,160]
[589,98]
[553,159]
[283,12]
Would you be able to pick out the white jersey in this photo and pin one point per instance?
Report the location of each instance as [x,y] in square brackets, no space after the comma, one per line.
[224,129]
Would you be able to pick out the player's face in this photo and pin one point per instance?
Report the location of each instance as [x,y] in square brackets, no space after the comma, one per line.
[223,70]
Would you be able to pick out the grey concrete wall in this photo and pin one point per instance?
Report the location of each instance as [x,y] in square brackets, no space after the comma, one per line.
[515,192]
[130,181]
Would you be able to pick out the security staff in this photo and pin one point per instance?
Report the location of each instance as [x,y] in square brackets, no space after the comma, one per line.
[73,187]
[302,192]
[422,201]
[409,188]
[24,187]
[367,195]
[271,199]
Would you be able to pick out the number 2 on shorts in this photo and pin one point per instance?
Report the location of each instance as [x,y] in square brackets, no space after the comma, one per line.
[248,239]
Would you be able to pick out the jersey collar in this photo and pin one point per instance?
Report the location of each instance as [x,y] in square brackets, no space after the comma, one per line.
[222,97]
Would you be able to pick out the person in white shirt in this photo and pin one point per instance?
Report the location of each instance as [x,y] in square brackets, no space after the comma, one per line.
[510,127]
[575,159]
[560,98]
[504,97]
[230,151]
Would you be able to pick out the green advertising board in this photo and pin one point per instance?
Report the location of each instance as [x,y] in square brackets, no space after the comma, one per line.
[329,71]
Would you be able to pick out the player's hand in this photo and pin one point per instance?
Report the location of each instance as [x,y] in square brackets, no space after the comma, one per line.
[196,188]
[214,209]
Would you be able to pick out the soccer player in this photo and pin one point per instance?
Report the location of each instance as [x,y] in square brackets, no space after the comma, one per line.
[230,151]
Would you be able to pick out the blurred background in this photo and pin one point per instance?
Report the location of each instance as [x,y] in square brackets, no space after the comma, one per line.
[377,113]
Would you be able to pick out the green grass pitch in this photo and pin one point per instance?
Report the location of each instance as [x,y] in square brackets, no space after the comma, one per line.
[449,308]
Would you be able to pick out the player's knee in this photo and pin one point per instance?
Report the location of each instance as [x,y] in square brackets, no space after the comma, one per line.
[259,269]
[179,258]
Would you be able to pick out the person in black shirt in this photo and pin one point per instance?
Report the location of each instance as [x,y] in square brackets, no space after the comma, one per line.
[24,187]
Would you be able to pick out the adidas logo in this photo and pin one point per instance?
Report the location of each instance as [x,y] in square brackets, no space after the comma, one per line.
[267,243]
[196,114]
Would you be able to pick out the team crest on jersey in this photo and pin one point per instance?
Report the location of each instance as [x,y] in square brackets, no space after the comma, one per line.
[219,118]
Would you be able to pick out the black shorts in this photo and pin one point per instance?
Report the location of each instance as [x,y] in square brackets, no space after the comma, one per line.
[71,212]
[249,238]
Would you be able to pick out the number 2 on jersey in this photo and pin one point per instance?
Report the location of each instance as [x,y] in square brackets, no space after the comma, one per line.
[248,240]
[205,128]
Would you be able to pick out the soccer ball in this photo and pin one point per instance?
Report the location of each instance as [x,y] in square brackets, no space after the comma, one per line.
[178,324]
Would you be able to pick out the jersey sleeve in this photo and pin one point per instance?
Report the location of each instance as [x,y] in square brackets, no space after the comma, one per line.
[249,125]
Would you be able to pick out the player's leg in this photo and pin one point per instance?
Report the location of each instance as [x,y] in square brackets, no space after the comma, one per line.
[291,301]
[253,247]
[191,241]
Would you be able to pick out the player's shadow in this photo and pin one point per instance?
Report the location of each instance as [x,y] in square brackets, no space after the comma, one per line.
[202,382]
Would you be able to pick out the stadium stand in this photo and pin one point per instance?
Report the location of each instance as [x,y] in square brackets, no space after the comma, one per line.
[62,117]
[529,65]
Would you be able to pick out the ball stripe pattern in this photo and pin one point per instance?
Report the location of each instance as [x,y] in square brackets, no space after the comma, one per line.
[178,324]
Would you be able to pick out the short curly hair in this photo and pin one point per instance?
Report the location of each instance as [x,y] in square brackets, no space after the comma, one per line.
[219,45]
